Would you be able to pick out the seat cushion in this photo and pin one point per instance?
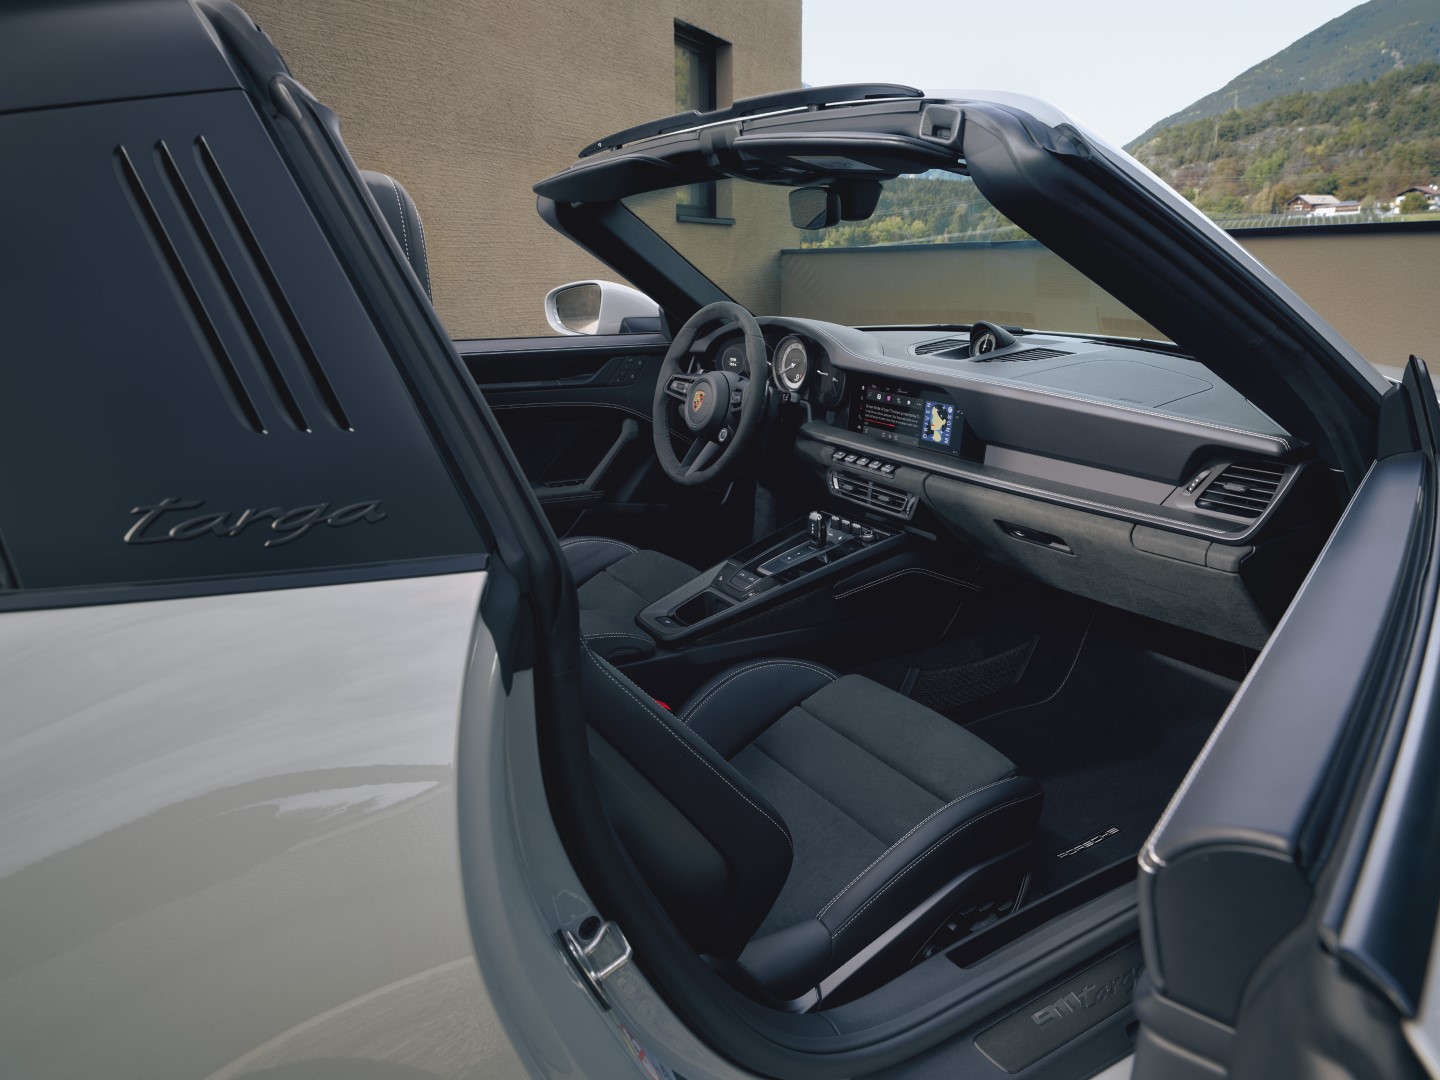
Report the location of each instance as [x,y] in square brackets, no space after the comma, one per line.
[619,581]
[852,769]
[889,805]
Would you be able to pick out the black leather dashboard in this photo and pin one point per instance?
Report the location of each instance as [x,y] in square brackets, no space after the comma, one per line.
[1117,430]
[1118,471]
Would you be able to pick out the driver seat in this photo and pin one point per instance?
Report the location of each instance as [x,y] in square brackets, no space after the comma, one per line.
[614,583]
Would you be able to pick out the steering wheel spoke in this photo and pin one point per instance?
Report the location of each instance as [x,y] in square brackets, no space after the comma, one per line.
[739,389]
[678,386]
[701,453]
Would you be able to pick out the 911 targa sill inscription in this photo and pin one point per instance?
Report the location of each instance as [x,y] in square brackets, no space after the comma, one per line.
[290,524]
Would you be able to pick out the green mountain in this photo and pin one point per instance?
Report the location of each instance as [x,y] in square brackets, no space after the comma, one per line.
[930,209]
[1361,45]
[1365,141]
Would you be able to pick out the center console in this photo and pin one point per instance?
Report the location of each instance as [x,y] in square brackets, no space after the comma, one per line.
[780,566]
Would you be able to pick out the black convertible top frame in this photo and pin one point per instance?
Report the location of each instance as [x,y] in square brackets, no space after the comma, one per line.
[1085,200]
[807,98]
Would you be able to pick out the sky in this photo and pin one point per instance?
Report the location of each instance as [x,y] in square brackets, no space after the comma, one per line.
[1116,66]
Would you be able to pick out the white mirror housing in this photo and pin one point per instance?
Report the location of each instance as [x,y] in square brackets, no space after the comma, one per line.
[596,307]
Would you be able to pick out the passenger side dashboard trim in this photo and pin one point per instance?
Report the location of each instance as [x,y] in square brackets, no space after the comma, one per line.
[825,438]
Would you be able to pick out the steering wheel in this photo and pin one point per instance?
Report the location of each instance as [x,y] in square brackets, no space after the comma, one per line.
[720,408]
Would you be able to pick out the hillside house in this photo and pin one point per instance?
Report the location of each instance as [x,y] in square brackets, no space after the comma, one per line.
[1308,204]
[1430,191]
[1320,206]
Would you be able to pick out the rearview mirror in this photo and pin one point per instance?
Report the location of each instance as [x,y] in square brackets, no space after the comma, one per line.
[858,198]
[601,307]
[814,208]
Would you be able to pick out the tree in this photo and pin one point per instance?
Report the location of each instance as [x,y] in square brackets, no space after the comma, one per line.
[1414,203]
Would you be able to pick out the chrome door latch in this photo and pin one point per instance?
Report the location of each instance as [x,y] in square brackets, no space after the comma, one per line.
[597,965]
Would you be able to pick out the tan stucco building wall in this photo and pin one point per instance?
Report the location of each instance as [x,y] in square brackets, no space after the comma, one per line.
[1375,288]
[1372,287]
[470,102]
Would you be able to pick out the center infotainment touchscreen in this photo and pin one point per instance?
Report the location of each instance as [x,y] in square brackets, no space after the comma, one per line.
[909,416]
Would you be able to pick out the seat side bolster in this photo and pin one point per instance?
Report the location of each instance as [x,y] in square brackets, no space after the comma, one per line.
[612,638]
[731,710]
[979,825]
[402,216]
[723,806]
[588,555]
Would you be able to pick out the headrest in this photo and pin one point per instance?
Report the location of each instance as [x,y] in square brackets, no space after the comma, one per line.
[404,221]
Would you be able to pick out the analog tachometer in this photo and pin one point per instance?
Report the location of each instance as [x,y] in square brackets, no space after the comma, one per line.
[791,364]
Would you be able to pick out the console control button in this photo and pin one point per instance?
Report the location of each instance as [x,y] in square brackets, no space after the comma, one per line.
[849,458]
[742,580]
[874,465]
[838,455]
[887,468]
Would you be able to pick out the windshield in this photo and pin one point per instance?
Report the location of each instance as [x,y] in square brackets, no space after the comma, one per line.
[933,252]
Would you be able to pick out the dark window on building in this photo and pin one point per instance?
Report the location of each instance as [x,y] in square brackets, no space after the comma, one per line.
[697,64]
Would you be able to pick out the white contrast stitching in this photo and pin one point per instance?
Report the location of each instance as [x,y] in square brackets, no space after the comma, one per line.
[575,541]
[689,713]
[611,675]
[821,913]
[424,249]
[930,851]
[400,205]
[899,573]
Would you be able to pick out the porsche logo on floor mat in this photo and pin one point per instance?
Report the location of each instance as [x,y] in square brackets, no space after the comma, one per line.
[1091,842]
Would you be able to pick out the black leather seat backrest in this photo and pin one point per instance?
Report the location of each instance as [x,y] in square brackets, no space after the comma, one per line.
[404,221]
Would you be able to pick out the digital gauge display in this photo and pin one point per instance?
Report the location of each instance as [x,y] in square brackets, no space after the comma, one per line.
[733,359]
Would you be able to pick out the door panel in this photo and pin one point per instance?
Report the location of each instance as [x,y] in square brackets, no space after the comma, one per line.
[576,411]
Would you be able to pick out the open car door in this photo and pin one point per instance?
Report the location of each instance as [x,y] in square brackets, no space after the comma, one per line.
[1289,894]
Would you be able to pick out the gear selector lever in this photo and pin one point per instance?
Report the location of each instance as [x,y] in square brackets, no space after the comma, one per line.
[819,528]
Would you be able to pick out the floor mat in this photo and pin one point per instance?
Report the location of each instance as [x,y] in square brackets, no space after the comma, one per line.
[1110,744]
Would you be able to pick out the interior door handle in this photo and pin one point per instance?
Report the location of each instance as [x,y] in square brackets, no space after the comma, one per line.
[629,431]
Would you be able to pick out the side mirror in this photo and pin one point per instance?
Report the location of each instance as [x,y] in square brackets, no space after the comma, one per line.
[814,208]
[601,307]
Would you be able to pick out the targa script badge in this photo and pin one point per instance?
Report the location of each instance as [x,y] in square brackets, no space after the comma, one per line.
[287,525]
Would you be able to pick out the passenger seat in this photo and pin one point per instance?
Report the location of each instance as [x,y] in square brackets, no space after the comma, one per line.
[801,825]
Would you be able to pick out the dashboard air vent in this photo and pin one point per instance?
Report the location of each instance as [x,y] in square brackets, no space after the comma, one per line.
[1032,354]
[866,492]
[928,347]
[1245,489]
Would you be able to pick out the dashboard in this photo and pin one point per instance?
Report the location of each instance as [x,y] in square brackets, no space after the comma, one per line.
[1125,471]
